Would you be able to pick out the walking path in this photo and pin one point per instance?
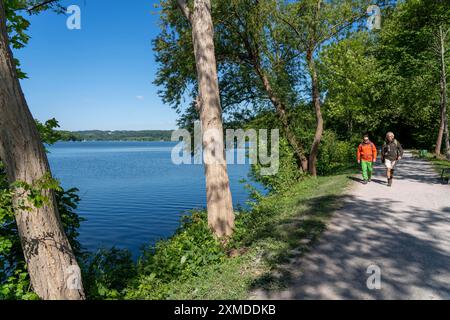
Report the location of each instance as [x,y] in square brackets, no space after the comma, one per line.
[403,230]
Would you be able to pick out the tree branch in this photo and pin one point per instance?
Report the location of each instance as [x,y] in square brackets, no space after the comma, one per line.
[185,9]
[39,5]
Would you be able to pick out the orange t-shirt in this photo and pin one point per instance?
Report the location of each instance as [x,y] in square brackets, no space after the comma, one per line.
[367,152]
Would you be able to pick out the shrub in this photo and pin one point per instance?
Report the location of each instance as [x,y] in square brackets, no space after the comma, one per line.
[192,247]
[335,155]
[107,272]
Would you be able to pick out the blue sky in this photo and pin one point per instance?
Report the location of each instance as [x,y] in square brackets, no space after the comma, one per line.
[99,77]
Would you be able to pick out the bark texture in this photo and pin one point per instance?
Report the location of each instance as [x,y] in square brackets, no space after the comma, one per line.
[312,165]
[443,134]
[218,194]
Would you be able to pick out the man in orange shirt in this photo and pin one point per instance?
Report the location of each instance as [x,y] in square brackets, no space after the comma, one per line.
[367,156]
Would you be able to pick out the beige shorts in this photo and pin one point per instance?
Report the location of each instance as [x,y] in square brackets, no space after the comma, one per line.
[389,164]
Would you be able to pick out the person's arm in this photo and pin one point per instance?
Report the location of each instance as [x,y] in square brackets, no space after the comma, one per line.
[374,152]
[382,154]
[400,150]
[358,154]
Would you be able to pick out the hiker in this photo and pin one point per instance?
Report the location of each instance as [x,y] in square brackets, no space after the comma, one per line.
[367,156]
[391,153]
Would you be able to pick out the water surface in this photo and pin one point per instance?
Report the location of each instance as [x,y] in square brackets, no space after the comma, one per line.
[131,192]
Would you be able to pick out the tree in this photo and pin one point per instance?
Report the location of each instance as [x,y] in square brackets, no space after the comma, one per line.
[316,24]
[441,50]
[218,194]
[413,48]
[252,74]
[351,77]
[48,253]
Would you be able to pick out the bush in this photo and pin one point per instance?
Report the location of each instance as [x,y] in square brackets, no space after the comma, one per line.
[288,172]
[107,273]
[335,155]
[184,255]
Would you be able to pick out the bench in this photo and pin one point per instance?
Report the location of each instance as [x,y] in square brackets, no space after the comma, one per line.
[445,175]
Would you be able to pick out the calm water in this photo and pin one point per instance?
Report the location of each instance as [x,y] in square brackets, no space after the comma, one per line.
[131,193]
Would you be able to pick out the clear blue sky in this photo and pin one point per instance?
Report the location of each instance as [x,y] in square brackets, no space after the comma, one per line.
[99,77]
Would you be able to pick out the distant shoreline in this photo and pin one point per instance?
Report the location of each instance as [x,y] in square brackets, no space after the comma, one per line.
[116,135]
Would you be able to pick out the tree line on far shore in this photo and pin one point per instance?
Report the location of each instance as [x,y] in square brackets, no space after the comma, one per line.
[116,135]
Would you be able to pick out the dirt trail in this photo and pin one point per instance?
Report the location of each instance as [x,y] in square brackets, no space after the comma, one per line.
[404,230]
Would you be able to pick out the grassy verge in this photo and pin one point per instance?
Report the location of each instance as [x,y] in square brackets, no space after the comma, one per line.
[279,227]
[439,162]
[192,264]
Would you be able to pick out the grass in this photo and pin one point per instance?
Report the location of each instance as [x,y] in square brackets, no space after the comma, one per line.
[439,162]
[279,227]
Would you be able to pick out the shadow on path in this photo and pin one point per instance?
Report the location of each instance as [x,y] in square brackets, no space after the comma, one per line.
[403,230]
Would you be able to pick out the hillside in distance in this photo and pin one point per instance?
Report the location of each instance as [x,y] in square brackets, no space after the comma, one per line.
[119,135]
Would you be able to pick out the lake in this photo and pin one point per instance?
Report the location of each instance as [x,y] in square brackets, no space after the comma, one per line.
[131,192]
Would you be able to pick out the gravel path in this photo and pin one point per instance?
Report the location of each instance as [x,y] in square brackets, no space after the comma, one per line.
[403,230]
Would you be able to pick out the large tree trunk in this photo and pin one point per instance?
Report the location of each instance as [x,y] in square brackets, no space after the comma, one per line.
[443,35]
[443,126]
[218,194]
[302,161]
[319,119]
[48,254]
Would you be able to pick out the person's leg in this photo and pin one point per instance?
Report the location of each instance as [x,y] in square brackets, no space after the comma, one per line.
[388,165]
[364,170]
[369,170]
[392,170]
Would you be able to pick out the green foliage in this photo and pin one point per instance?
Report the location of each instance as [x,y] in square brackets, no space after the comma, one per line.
[36,195]
[106,273]
[182,256]
[47,131]
[335,155]
[351,76]
[288,172]
[67,201]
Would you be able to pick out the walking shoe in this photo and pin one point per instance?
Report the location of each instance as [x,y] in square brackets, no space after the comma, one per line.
[365,182]
[370,180]
[390,182]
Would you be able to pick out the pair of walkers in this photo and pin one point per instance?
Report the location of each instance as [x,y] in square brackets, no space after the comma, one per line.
[391,153]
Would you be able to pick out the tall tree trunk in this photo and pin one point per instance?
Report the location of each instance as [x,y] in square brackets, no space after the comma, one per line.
[312,168]
[280,108]
[438,147]
[315,94]
[447,138]
[443,127]
[48,254]
[218,194]
[443,35]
